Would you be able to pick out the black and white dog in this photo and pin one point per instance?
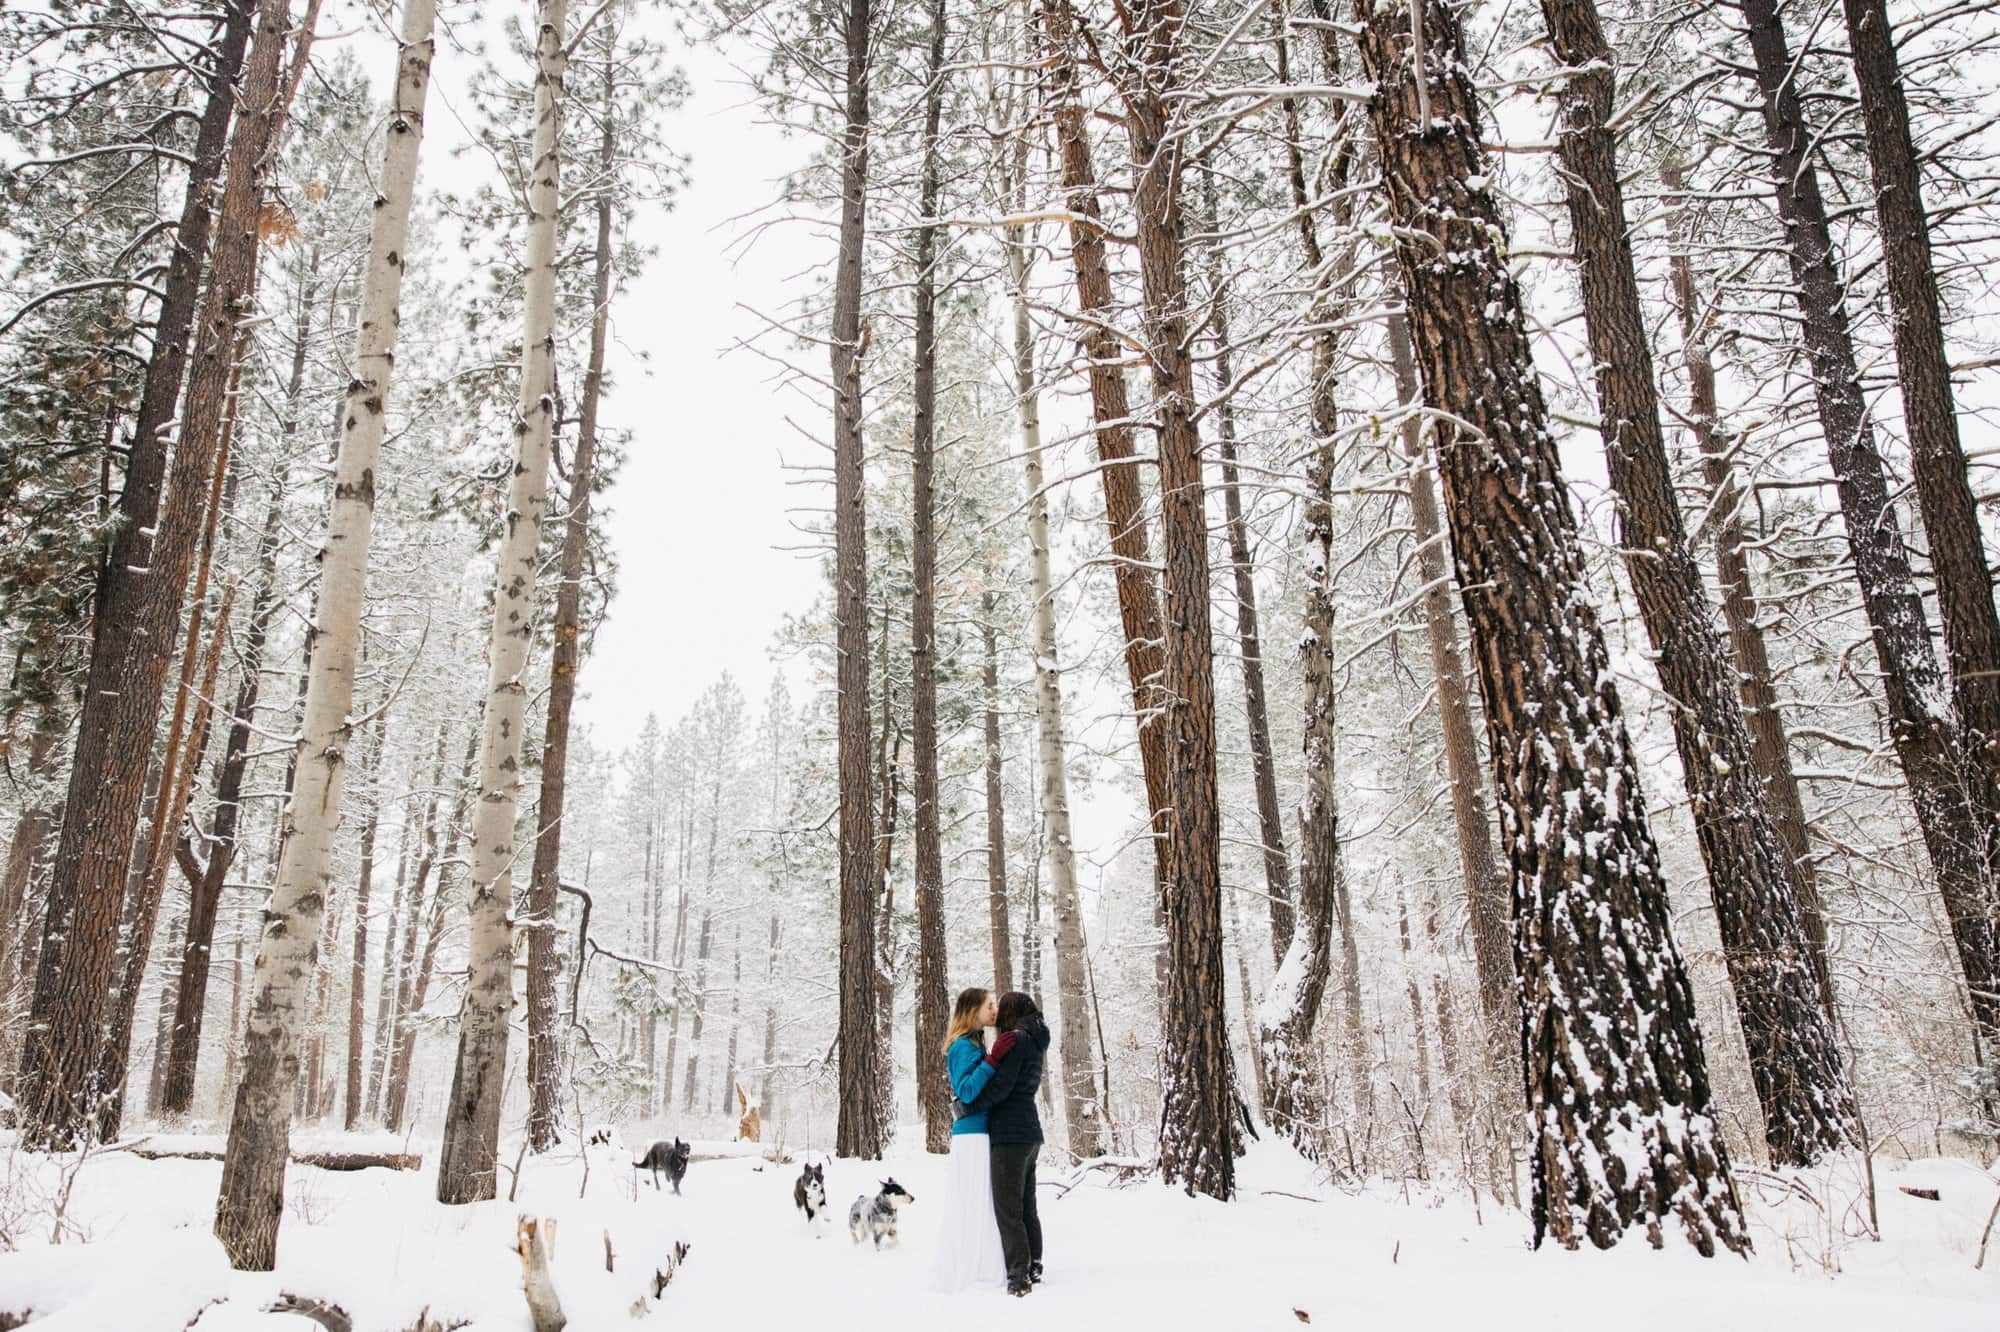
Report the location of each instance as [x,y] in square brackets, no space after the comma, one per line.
[875,1218]
[670,1158]
[809,1194]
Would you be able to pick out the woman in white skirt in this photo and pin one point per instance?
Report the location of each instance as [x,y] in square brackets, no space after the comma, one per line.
[968,1252]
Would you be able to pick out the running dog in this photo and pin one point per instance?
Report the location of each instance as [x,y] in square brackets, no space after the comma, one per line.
[670,1158]
[809,1194]
[875,1218]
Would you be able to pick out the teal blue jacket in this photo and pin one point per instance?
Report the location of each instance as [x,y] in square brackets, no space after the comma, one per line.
[966,1065]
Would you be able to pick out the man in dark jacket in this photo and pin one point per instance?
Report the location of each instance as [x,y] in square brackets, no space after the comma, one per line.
[1015,1128]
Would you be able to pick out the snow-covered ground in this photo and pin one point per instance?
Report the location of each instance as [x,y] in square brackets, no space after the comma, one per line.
[137,1255]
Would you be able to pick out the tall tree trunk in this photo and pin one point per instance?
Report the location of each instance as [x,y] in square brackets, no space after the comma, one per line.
[205,891]
[544,1046]
[1770,751]
[169,810]
[357,970]
[700,1008]
[138,611]
[251,1200]
[1080,1110]
[1199,1135]
[1263,771]
[996,810]
[735,1023]
[1944,490]
[27,856]
[1929,736]
[402,925]
[163,1022]
[933,999]
[1124,503]
[1416,997]
[1617,1081]
[1486,894]
[1289,1073]
[1794,1060]
[859,1130]
[467,1163]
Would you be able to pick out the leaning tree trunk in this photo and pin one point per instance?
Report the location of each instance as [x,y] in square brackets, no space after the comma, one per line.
[933,999]
[544,883]
[1928,734]
[1770,749]
[1794,1060]
[139,609]
[252,1197]
[859,1131]
[1944,489]
[1249,641]
[1124,503]
[467,1162]
[1617,1082]
[1199,1135]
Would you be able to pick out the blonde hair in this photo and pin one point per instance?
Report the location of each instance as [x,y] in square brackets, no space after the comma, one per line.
[965,1016]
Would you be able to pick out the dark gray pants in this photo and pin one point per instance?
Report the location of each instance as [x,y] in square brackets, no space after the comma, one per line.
[1014,1206]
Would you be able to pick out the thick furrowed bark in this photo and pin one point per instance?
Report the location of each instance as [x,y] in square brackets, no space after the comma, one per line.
[859,1130]
[1794,1059]
[1617,1083]
[933,1000]
[1199,1134]
[1770,750]
[996,811]
[1927,732]
[1944,490]
[138,612]
[1124,502]
[1486,897]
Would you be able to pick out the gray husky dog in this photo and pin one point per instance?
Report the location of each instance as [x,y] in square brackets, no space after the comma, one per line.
[875,1218]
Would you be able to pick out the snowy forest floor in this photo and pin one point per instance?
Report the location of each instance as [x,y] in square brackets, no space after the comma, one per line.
[137,1255]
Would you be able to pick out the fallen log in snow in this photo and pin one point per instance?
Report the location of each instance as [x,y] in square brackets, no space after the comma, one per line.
[321,1160]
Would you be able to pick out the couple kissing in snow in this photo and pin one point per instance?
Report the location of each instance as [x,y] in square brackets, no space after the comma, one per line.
[991,1229]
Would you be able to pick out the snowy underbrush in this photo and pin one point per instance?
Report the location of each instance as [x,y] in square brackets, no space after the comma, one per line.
[1122,1252]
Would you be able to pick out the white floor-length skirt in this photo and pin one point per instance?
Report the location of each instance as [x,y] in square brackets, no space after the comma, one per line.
[968,1251]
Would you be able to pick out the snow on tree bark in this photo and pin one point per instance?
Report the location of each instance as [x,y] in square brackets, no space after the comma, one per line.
[251,1200]
[467,1162]
[933,999]
[139,610]
[1929,735]
[859,1128]
[1617,1085]
[1486,896]
[1795,1061]
[545,876]
[1944,490]
[1199,1135]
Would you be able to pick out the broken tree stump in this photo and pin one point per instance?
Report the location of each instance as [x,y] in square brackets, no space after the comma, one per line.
[536,1243]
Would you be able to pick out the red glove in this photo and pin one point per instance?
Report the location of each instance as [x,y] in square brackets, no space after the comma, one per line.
[1001,1045]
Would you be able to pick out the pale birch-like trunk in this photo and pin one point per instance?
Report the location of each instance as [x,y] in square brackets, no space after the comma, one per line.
[252,1197]
[472,1115]
[1079,1083]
